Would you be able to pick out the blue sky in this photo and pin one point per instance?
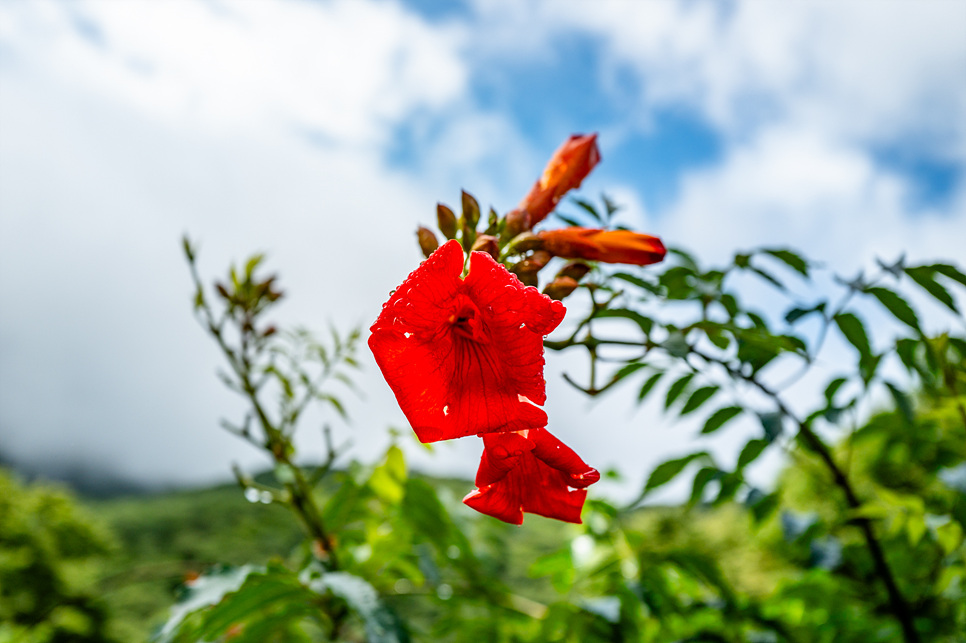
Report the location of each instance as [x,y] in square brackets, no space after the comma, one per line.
[323,132]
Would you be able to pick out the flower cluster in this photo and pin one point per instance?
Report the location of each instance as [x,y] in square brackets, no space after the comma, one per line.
[461,342]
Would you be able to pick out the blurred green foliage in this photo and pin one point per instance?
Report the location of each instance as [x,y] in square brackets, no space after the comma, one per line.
[861,539]
[49,555]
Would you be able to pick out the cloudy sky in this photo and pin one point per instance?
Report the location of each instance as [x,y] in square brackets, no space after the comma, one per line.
[323,132]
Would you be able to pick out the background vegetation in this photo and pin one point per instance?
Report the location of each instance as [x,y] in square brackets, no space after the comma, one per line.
[861,538]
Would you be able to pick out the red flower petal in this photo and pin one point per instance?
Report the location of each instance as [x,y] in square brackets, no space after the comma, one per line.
[530,471]
[465,357]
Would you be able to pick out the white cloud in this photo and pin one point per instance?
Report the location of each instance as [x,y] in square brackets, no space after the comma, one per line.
[349,71]
[876,71]
[796,187]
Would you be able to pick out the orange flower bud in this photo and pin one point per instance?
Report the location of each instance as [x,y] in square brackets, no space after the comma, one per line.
[560,287]
[611,246]
[567,168]
[488,244]
[427,241]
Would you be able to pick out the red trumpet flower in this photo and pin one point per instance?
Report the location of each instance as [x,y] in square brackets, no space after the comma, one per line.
[530,471]
[611,246]
[465,356]
[567,168]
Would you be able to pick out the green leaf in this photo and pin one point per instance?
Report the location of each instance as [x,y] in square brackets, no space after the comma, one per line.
[702,479]
[362,598]
[833,388]
[627,369]
[768,277]
[261,595]
[205,591]
[751,451]
[572,222]
[676,389]
[648,385]
[609,205]
[676,344]
[950,271]
[896,305]
[903,403]
[586,206]
[721,417]
[795,314]
[925,277]
[699,397]
[635,280]
[771,423]
[854,331]
[668,470]
[792,260]
[644,323]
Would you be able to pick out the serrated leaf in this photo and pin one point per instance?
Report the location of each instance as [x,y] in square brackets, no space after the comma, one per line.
[924,276]
[854,331]
[792,260]
[896,305]
[697,398]
[751,451]
[668,470]
[676,389]
[721,417]
[648,385]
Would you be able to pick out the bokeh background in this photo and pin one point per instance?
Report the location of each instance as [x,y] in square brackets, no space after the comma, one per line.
[323,132]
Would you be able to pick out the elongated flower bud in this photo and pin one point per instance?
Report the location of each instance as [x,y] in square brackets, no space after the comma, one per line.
[568,167]
[610,246]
